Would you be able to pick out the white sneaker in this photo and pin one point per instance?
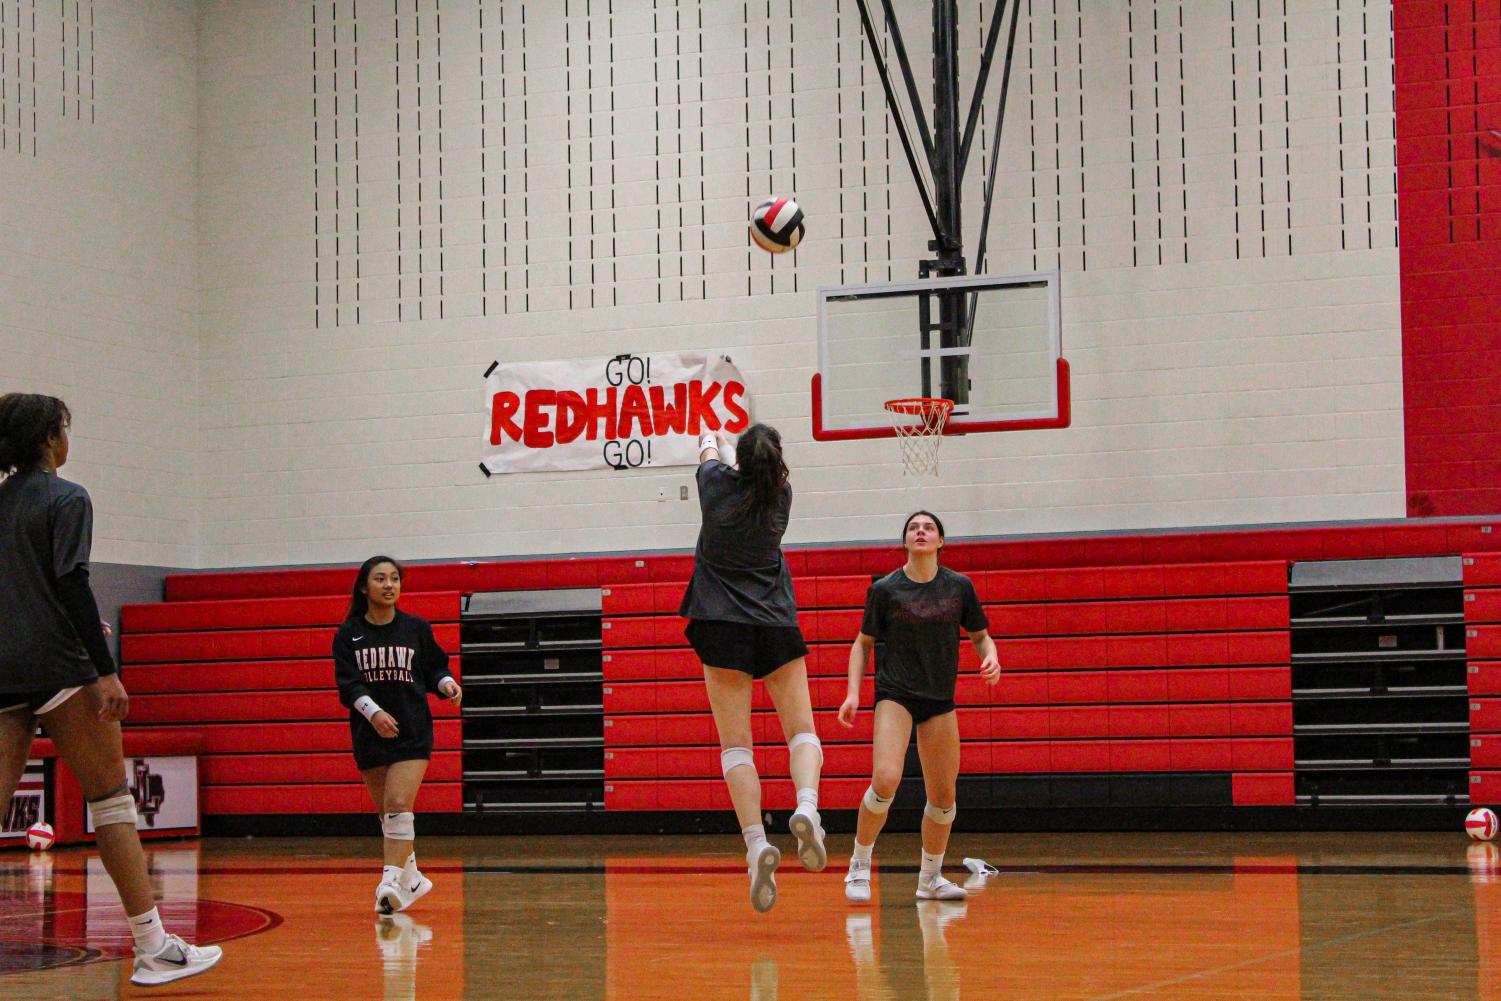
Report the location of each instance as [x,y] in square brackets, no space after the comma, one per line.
[763,882]
[857,882]
[938,888]
[415,886]
[810,848]
[391,897]
[176,960]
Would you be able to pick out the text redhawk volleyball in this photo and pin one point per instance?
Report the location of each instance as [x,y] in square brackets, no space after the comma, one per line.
[623,412]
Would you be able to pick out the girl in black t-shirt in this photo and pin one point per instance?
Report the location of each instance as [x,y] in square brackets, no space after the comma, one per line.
[386,663]
[56,668]
[742,623]
[917,611]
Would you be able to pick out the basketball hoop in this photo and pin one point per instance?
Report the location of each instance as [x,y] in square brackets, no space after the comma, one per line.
[918,422]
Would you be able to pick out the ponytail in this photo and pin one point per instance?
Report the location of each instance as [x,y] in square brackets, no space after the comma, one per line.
[27,420]
[359,600]
[759,453]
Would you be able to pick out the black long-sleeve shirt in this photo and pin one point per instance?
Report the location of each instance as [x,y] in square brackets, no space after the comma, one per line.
[396,664]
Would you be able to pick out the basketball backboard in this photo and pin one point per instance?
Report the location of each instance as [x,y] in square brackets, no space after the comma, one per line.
[989,343]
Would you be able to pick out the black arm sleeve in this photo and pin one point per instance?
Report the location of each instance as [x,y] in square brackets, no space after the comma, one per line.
[83,612]
[346,672]
[435,661]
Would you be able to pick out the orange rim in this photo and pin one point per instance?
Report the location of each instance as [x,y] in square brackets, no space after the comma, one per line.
[919,406]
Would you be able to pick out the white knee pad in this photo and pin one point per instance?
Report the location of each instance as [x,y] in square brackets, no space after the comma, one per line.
[940,814]
[806,737]
[399,826]
[874,803]
[120,809]
[733,757]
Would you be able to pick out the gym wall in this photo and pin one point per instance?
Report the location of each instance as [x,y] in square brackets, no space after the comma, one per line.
[98,255]
[387,200]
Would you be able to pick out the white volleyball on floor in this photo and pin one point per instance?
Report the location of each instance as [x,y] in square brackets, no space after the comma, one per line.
[40,836]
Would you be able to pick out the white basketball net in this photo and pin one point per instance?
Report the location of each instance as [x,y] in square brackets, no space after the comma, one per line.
[919,426]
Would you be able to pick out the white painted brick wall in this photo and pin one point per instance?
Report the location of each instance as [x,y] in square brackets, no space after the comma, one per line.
[1233,383]
[98,300]
[314,355]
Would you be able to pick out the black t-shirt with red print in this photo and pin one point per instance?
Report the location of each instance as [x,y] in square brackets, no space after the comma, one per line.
[919,624]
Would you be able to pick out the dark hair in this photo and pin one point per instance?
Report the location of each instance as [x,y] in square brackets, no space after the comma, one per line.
[27,420]
[359,601]
[759,456]
[908,524]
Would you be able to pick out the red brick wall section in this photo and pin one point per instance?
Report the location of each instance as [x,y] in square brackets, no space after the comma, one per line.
[1448,101]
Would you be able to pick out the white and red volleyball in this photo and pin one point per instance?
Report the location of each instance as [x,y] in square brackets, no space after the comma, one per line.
[40,836]
[1481,824]
[777,225]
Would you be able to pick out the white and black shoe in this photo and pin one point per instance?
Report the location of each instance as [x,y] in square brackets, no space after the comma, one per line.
[763,880]
[810,848]
[176,960]
[415,886]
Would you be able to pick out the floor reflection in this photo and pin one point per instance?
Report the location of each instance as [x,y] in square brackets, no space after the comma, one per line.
[1066,917]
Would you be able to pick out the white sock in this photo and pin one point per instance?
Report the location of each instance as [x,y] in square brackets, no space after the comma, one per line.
[150,936]
[755,837]
[862,852]
[932,866]
[411,867]
[390,873]
[809,798]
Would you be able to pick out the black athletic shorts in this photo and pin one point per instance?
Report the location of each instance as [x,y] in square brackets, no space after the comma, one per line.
[739,646]
[371,750]
[922,710]
[33,701]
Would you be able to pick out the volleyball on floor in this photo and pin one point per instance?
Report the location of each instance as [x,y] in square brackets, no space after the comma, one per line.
[777,225]
[1481,824]
[40,836]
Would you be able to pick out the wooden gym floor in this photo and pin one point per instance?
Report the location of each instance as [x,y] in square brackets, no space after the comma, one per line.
[1359,916]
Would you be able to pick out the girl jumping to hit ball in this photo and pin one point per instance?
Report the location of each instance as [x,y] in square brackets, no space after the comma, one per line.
[386,662]
[743,626]
[917,610]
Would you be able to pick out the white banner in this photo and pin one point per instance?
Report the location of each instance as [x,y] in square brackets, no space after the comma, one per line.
[625,412]
[29,803]
[165,791]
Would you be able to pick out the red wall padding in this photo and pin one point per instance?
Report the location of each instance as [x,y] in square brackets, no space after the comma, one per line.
[1137,654]
[248,644]
[264,613]
[1482,581]
[1167,668]
[1139,558]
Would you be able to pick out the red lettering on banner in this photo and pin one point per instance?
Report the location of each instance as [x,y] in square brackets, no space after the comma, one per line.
[739,419]
[594,411]
[503,407]
[633,407]
[571,416]
[537,434]
[701,407]
[669,419]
